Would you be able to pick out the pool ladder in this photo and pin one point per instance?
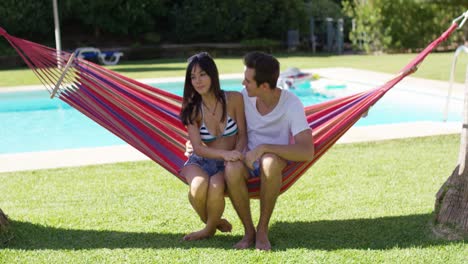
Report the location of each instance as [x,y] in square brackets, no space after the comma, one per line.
[452,77]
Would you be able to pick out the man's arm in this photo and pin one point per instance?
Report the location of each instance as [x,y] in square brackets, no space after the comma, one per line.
[238,101]
[301,150]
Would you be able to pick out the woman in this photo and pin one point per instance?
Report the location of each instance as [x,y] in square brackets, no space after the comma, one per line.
[216,128]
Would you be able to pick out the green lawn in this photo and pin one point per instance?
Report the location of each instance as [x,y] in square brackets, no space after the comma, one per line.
[361,203]
[436,66]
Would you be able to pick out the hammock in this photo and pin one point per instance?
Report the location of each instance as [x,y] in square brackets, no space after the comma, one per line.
[147,118]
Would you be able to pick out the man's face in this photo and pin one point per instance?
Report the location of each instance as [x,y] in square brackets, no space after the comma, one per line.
[249,83]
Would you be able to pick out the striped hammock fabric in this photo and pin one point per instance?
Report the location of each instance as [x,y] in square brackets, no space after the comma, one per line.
[147,117]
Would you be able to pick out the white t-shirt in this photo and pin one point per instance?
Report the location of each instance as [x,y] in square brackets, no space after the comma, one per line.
[279,126]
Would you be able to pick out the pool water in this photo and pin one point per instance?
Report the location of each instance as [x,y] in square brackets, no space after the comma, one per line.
[30,121]
[308,96]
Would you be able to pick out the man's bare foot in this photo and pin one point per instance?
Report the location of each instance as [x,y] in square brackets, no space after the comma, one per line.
[202,234]
[224,226]
[246,242]
[262,242]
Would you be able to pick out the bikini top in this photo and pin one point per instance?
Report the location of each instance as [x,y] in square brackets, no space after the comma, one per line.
[229,130]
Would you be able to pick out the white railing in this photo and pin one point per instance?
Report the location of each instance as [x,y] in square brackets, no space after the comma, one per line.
[452,77]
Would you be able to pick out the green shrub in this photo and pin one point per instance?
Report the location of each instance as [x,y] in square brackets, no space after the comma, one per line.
[152,37]
[261,43]
[27,19]
[268,45]
[369,33]
[233,20]
[399,25]
[119,17]
[324,8]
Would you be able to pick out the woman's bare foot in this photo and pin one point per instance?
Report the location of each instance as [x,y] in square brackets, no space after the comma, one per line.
[202,234]
[262,242]
[224,226]
[247,241]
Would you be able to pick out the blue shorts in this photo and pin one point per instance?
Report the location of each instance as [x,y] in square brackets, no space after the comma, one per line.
[256,171]
[210,166]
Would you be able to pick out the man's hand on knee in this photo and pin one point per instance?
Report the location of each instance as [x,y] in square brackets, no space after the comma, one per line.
[252,156]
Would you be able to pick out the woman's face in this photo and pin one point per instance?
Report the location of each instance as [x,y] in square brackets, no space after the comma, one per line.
[201,81]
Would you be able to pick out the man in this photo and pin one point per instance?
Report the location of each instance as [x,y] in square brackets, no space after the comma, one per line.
[277,132]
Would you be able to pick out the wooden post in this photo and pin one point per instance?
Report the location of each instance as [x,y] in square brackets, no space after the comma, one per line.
[65,70]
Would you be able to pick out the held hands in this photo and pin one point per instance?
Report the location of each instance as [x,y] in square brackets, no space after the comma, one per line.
[233,155]
[252,156]
[188,148]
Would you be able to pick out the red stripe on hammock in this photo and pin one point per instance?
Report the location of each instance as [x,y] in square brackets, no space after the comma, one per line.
[153,112]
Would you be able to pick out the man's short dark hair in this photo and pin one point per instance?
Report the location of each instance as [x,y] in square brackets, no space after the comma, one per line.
[267,67]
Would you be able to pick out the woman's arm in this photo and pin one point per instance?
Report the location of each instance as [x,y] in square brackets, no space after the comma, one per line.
[200,148]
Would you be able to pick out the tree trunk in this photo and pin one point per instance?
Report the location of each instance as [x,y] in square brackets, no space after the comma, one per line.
[451,206]
[3,221]
[5,235]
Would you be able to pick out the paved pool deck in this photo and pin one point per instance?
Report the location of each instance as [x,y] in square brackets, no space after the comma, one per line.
[123,153]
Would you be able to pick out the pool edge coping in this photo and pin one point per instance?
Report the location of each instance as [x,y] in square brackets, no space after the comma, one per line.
[126,153]
[103,155]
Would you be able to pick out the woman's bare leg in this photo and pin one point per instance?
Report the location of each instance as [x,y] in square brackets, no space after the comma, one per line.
[214,209]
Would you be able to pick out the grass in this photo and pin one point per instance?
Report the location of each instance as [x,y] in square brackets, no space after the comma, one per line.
[361,203]
[436,66]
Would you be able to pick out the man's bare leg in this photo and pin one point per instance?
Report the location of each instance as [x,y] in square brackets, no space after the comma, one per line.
[236,176]
[214,208]
[271,178]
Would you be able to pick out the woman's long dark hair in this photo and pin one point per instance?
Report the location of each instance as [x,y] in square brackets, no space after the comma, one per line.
[191,103]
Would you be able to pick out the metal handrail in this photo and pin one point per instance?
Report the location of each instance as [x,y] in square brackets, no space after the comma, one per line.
[452,77]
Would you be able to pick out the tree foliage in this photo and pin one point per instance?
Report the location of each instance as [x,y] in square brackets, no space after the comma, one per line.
[118,16]
[399,25]
[221,21]
[324,8]
[31,19]
[175,21]
[380,25]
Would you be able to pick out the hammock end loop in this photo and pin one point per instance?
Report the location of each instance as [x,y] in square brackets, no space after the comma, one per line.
[412,70]
[464,16]
[407,72]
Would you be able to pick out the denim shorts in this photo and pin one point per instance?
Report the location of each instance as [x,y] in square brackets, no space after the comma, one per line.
[210,166]
[256,171]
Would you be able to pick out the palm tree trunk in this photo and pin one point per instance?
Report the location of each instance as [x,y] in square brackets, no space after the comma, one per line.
[451,205]
[3,222]
[6,234]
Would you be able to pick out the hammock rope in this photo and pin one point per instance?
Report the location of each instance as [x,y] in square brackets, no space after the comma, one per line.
[147,117]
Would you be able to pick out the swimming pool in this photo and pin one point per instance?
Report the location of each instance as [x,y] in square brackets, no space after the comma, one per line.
[30,121]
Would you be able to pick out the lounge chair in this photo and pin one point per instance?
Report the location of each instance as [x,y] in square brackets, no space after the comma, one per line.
[292,77]
[106,57]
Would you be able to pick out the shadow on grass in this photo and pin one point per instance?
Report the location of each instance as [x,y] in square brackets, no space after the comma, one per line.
[29,236]
[376,234]
[380,233]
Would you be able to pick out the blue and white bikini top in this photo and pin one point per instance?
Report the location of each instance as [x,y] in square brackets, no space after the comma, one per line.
[229,130]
